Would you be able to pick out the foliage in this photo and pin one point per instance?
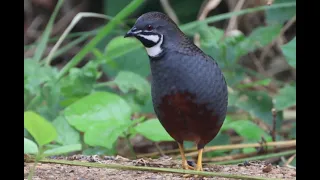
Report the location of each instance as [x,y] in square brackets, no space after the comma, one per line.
[68,110]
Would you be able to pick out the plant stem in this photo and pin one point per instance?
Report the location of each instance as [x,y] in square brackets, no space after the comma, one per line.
[154,169]
[104,31]
[220,17]
[46,34]
[267,156]
[130,145]
[223,147]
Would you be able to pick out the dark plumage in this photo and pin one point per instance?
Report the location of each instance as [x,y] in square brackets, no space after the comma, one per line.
[189,91]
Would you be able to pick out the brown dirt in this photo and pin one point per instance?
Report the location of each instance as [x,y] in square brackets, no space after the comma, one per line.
[67,172]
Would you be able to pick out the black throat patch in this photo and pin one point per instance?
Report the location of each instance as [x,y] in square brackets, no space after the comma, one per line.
[146,42]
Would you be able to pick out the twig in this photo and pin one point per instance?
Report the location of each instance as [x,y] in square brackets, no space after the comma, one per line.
[74,21]
[154,169]
[67,18]
[159,149]
[239,146]
[257,157]
[168,9]
[244,155]
[127,137]
[233,21]
[206,7]
[269,2]
[223,147]
[274,119]
[283,30]
[290,160]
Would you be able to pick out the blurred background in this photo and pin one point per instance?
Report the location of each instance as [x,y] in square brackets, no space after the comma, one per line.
[87,89]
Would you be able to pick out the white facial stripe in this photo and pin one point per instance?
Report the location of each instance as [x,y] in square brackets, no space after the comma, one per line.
[137,32]
[156,49]
[153,38]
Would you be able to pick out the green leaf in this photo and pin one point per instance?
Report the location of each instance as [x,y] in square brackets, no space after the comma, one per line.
[30,147]
[286,97]
[258,104]
[128,81]
[280,15]
[289,52]
[66,133]
[260,37]
[248,130]
[104,134]
[63,149]
[80,81]
[96,108]
[40,129]
[126,54]
[153,130]
[35,75]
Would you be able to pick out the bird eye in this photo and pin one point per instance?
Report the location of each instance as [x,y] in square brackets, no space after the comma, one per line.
[149,27]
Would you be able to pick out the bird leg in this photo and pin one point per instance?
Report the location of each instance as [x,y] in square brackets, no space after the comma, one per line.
[199,163]
[184,160]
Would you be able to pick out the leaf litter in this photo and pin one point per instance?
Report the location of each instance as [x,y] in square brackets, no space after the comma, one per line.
[52,171]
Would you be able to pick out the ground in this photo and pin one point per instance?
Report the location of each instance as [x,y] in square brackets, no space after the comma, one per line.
[50,171]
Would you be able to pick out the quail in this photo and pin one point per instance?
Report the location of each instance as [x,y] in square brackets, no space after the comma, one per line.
[189,91]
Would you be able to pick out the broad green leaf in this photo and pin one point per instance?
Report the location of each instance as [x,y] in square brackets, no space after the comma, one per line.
[66,133]
[128,81]
[280,15]
[220,139]
[286,97]
[126,54]
[80,82]
[248,130]
[258,104]
[30,147]
[260,37]
[63,149]
[153,130]
[98,107]
[40,129]
[289,52]
[104,134]
[35,75]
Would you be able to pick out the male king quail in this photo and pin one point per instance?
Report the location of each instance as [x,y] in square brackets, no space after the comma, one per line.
[189,91]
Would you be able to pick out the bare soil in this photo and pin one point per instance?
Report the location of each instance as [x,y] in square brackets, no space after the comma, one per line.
[50,171]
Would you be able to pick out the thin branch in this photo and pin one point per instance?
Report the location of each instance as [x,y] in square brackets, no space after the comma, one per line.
[153,169]
[269,2]
[290,160]
[222,147]
[169,10]
[267,156]
[283,30]
[274,119]
[233,21]
[240,146]
[159,148]
[206,7]
[244,155]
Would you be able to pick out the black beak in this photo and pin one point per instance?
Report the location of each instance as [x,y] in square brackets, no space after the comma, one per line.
[131,32]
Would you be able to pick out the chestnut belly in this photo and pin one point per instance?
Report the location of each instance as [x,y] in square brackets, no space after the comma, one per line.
[186,119]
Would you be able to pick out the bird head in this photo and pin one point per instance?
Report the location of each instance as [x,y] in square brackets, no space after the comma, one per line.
[155,31]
